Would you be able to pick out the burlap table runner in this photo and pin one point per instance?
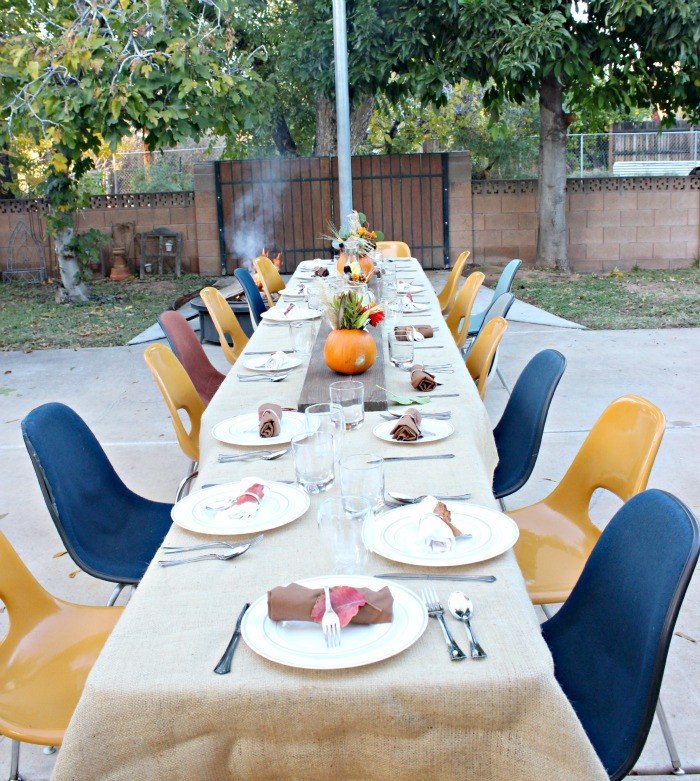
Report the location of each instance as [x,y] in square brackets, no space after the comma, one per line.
[153,708]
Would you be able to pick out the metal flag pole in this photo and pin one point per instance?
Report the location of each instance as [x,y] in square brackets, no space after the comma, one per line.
[342,108]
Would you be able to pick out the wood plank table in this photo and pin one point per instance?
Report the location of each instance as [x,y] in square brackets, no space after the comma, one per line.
[153,708]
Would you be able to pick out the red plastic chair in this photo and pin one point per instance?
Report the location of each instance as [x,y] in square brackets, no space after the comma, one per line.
[183,342]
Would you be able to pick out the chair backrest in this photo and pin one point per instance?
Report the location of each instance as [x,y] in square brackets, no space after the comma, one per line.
[518,433]
[256,305]
[483,350]
[225,322]
[271,280]
[458,319]
[394,249]
[183,342]
[610,639]
[87,501]
[179,394]
[446,297]
[504,284]
[617,455]
[499,308]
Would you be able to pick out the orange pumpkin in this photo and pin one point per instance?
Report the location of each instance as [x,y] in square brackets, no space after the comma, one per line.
[349,351]
[366,263]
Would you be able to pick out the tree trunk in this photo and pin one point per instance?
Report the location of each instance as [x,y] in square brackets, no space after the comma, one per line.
[5,174]
[69,266]
[551,234]
[282,137]
[326,136]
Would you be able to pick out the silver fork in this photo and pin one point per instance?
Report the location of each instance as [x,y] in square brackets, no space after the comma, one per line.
[435,610]
[254,455]
[256,378]
[330,623]
[239,550]
[213,544]
[433,415]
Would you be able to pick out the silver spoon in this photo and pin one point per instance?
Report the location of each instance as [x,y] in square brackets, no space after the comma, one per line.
[258,455]
[214,544]
[408,499]
[256,378]
[232,554]
[462,609]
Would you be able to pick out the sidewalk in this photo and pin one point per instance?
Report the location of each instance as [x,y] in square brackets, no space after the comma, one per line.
[113,391]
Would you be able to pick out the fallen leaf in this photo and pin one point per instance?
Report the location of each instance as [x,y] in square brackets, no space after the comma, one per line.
[678,634]
[346,602]
[74,573]
[59,554]
[3,515]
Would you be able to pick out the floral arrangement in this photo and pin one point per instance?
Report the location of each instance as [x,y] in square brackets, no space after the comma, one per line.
[355,229]
[349,310]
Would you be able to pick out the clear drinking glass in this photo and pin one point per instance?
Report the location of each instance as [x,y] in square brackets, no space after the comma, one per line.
[313,460]
[329,418]
[303,335]
[362,474]
[350,395]
[340,522]
[401,350]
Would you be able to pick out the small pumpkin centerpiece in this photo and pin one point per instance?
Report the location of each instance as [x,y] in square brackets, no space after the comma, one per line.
[349,348]
[356,241]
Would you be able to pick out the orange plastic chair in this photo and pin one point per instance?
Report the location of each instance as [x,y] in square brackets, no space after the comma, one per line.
[483,351]
[225,322]
[458,318]
[271,280]
[45,657]
[446,297]
[394,249]
[557,534]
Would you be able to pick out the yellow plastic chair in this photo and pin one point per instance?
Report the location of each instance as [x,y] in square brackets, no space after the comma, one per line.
[179,394]
[483,352]
[271,280]
[225,322]
[557,534]
[446,297]
[458,318]
[394,249]
[45,656]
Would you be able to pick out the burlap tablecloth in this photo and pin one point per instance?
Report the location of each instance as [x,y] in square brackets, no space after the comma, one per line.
[153,708]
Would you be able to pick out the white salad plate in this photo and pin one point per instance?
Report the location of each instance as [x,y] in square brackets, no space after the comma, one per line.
[432,430]
[276,315]
[244,430]
[257,364]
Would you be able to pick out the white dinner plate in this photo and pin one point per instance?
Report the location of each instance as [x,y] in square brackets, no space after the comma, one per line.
[420,308]
[310,265]
[432,431]
[409,288]
[395,536]
[301,643]
[281,504]
[244,430]
[293,291]
[257,364]
[276,315]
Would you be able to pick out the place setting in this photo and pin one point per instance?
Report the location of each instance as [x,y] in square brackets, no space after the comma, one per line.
[289,313]
[412,429]
[270,425]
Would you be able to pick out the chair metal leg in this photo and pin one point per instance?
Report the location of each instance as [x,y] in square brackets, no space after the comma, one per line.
[49,750]
[670,742]
[547,610]
[184,488]
[502,505]
[501,378]
[115,594]
[14,762]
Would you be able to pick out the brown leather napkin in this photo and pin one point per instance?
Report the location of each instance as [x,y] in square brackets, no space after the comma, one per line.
[320,271]
[407,428]
[295,603]
[422,380]
[269,420]
[401,331]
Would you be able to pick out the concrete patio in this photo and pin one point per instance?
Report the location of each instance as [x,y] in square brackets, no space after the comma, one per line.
[113,391]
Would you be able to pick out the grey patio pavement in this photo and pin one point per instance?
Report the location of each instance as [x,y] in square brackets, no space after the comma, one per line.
[114,392]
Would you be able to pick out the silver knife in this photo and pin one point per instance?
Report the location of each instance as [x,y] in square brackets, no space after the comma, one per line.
[267,352]
[224,665]
[402,576]
[418,458]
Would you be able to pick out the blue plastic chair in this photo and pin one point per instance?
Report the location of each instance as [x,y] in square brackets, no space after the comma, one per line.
[256,304]
[610,639]
[518,433]
[109,531]
[503,285]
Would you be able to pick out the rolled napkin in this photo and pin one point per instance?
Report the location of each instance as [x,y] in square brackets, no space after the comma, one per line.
[289,309]
[273,361]
[422,380]
[296,603]
[245,505]
[420,332]
[407,428]
[435,525]
[408,304]
[320,271]
[269,420]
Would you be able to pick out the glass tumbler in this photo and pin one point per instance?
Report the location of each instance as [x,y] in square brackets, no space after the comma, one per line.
[350,395]
[401,350]
[362,474]
[314,461]
[327,417]
[340,521]
[303,335]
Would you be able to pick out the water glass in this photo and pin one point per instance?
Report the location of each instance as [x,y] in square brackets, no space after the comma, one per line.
[329,418]
[350,395]
[362,474]
[389,273]
[303,336]
[401,352]
[313,460]
[313,296]
[394,310]
[340,522]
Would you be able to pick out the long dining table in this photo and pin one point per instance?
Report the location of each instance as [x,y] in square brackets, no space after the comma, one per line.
[153,708]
